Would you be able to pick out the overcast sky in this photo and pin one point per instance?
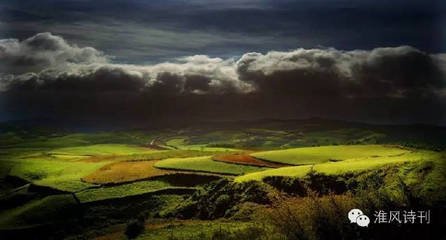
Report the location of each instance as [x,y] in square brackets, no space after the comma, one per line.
[368,60]
[140,31]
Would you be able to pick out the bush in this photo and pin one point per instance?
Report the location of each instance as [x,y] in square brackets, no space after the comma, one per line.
[220,199]
[134,228]
[313,217]
[320,183]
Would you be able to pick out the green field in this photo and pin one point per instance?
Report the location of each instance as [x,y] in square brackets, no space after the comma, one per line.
[41,211]
[314,155]
[298,171]
[101,149]
[206,164]
[63,168]
[95,194]
[184,144]
[63,175]
[61,139]
[352,165]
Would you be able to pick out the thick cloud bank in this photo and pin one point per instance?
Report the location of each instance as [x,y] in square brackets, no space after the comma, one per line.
[391,72]
[47,65]
[46,61]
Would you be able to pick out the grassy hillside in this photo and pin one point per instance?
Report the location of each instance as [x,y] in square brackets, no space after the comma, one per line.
[63,175]
[352,165]
[120,191]
[314,155]
[206,164]
[102,149]
[125,171]
[41,211]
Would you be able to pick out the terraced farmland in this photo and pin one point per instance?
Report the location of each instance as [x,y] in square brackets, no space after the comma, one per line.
[352,165]
[206,164]
[96,194]
[315,155]
[152,155]
[102,150]
[63,175]
[127,171]
[195,174]
[245,159]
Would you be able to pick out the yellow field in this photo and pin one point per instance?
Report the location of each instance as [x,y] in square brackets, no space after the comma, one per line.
[125,172]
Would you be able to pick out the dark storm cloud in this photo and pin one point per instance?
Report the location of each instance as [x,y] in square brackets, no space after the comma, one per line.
[382,72]
[227,28]
[45,74]
[45,62]
[43,51]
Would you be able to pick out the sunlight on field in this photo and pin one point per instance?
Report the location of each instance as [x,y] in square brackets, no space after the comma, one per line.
[361,164]
[181,143]
[205,164]
[298,171]
[313,155]
[125,172]
[57,174]
[102,149]
[348,166]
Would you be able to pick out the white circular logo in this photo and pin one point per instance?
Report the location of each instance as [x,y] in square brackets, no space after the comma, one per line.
[358,217]
[353,214]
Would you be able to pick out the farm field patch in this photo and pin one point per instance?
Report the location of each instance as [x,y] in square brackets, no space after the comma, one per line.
[353,165]
[206,164]
[314,155]
[62,175]
[102,149]
[153,155]
[125,172]
[245,159]
[130,189]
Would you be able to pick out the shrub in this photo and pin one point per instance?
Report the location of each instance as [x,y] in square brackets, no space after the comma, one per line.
[320,183]
[313,217]
[220,199]
[135,227]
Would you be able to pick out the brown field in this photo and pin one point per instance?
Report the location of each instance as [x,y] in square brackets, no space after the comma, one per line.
[120,172]
[245,159]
